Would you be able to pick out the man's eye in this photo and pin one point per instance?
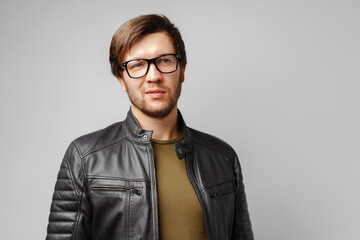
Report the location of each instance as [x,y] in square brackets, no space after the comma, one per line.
[166,60]
[136,65]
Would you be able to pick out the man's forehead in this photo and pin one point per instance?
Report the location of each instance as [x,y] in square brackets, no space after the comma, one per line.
[150,45]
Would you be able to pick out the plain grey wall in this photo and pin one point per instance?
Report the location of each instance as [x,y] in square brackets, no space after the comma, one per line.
[278,80]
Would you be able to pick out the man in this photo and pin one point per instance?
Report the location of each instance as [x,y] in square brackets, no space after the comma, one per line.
[150,176]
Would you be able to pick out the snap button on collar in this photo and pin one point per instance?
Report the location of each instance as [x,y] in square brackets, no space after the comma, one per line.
[180,151]
[145,137]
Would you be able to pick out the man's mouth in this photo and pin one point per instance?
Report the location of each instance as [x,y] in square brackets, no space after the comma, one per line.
[155,93]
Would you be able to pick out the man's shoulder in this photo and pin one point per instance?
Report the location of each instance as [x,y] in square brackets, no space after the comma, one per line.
[211,143]
[99,139]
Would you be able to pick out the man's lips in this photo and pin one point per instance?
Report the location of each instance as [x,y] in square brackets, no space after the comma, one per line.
[155,93]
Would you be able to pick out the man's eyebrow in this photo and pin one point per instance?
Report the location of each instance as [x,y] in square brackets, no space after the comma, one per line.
[136,58]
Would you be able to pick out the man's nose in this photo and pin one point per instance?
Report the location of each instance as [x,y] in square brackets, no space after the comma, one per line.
[153,75]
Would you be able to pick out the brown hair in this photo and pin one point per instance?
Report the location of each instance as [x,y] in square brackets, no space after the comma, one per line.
[134,29]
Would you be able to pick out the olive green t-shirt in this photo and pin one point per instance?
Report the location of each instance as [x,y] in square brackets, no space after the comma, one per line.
[180,212]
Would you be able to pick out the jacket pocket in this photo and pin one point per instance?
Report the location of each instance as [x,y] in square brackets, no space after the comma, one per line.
[222,189]
[120,188]
[118,206]
[222,207]
[222,192]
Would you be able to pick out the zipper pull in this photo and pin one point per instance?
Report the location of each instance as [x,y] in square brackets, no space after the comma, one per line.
[134,190]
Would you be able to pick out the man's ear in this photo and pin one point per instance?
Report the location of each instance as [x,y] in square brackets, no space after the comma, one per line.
[182,74]
[122,83]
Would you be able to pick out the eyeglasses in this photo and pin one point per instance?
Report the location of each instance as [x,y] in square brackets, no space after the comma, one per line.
[138,68]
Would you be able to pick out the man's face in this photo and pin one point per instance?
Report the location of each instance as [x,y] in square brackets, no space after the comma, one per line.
[156,93]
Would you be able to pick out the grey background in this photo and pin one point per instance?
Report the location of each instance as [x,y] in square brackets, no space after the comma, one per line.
[278,80]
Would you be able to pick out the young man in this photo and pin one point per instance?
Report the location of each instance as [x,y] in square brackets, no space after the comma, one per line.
[150,176]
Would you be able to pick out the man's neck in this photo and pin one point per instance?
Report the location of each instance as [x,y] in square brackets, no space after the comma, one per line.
[164,128]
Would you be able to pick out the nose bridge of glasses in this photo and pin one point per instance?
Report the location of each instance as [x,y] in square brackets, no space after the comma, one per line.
[152,69]
[153,60]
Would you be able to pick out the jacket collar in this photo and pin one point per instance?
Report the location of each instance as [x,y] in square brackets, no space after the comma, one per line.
[144,136]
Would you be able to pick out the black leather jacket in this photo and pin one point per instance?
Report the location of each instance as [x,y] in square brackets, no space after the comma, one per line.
[106,187]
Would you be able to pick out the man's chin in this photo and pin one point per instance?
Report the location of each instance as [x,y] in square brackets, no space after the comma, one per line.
[157,112]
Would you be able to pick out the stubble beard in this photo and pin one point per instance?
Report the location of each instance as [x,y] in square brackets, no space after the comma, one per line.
[160,113]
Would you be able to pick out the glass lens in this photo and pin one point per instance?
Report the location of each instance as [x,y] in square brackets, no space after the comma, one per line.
[167,63]
[137,68]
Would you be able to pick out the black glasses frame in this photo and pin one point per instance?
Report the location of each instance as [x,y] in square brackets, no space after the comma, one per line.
[149,61]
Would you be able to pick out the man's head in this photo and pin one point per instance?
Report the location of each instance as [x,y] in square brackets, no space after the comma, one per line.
[136,28]
[157,43]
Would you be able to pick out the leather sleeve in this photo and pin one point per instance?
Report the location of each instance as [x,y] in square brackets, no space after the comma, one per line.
[69,213]
[242,225]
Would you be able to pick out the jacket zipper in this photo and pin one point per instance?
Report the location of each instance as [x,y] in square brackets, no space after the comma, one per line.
[192,181]
[117,188]
[154,196]
[222,192]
